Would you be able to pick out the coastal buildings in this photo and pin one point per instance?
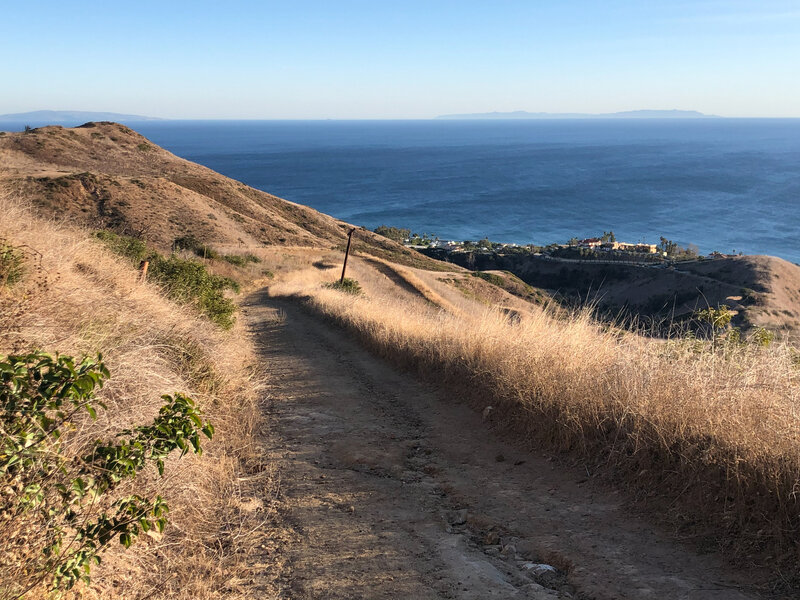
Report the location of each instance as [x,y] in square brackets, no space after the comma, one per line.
[597,243]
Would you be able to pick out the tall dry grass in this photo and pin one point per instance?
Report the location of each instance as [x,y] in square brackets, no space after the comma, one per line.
[712,437]
[78,299]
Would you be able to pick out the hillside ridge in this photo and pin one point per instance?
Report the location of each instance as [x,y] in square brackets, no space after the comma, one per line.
[106,175]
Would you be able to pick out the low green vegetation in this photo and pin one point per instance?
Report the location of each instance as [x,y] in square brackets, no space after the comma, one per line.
[192,244]
[241,260]
[185,281]
[129,247]
[405,236]
[347,285]
[189,282]
[393,233]
[714,323]
[62,509]
[12,264]
[492,278]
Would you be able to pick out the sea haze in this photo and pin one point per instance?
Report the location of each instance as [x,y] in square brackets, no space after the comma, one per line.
[722,184]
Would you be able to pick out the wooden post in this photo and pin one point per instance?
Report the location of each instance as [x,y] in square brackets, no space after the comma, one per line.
[143,269]
[346,253]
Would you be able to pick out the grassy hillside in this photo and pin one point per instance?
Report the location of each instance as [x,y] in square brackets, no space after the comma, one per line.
[106,175]
[70,295]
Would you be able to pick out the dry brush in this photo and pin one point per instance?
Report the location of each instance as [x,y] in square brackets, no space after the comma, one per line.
[709,435]
[76,298]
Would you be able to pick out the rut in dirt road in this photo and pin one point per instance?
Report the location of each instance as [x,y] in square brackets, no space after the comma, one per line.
[390,489]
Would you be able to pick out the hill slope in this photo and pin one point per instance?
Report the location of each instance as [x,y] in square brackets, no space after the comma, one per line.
[763,291]
[106,175]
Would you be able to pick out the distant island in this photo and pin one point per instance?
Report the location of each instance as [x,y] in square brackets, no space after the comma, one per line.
[72,116]
[628,114]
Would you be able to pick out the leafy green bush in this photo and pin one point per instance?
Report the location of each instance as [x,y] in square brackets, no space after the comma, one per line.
[61,512]
[762,337]
[350,286]
[129,247]
[186,242]
[207,252]
[191,243]
[241,260]
[717,318]
[184,281]
[12,264]
[190,282]
[235,260]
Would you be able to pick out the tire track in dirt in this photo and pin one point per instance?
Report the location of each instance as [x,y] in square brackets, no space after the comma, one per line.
[390,489]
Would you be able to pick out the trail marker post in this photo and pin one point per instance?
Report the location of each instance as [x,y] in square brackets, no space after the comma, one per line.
[346,254]
[143,269]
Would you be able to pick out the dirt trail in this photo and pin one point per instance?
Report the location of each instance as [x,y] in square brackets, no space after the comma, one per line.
[390,489]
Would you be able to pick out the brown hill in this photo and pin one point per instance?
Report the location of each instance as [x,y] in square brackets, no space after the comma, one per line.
[106,175]
[768,288]
[762,291]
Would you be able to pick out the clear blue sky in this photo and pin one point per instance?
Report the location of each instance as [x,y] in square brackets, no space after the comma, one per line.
[400,59]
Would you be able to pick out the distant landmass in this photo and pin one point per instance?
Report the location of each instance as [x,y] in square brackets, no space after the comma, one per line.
[628,114]
[71,116]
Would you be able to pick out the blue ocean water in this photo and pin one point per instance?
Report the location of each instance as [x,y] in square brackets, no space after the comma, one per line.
[723,184]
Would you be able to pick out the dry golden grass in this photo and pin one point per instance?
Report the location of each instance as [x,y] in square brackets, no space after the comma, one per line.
[711,437]
[408,280]
[78,299]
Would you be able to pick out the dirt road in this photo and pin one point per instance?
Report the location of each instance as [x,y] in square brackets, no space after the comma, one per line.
[391,489]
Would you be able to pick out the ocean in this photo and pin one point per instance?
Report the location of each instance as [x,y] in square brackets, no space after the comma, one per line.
[731,185]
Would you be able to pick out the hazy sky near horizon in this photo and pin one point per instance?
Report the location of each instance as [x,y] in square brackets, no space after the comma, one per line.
[400,59]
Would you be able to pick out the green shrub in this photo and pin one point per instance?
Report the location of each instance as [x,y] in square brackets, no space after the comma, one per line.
[185,281]
[190,282]
[762,337]
[714,321]
[129,247]
[191,243]
[207,252]
[235,260]
[393,233]
[241,260]
[347,285]
[12,264]
[186,242]
[62,511]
